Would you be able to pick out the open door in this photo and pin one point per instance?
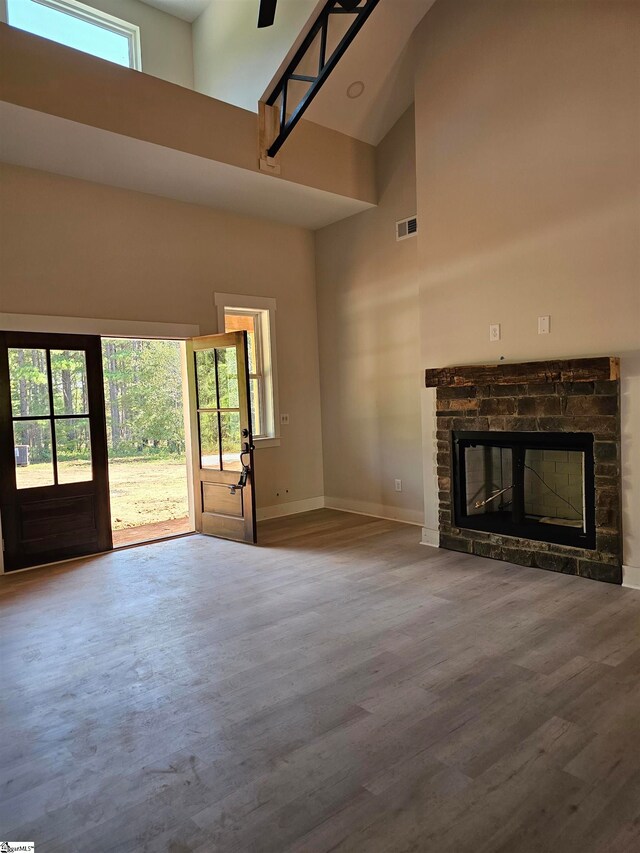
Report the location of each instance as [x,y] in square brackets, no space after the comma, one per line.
[54,490]
[221,436]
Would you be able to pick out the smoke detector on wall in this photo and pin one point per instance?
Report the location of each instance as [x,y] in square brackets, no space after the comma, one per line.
[406,228]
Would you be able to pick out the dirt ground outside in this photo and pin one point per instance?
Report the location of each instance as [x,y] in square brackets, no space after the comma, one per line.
[143,491]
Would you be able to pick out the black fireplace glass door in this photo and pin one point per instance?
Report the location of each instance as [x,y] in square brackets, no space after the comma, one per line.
[488,479]
[526,485]
[554,487]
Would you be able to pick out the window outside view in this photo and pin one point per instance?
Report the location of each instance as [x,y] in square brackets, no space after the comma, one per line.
[37,428]
[251,322]
[145,433]
[66,25]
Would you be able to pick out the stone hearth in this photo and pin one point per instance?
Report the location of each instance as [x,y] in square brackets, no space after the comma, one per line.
[577,396]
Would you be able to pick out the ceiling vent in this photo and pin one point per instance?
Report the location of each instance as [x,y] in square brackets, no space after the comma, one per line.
[406,228]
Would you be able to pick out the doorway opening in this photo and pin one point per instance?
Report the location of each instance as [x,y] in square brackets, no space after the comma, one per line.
[144,392]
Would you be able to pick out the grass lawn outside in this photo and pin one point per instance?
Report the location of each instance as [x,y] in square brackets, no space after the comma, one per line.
[143,491]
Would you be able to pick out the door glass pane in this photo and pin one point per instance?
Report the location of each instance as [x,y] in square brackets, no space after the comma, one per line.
[231,441]
[29,383]
[73,448]
[32,448]
[228,377]
[206,379]
[209,440]
[69,377]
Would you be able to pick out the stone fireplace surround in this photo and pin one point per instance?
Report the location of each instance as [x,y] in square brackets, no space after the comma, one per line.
[579,395]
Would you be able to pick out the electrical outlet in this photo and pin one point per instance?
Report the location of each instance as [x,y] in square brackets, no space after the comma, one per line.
[398,485]
[494,332]
[284,419]
[544,325]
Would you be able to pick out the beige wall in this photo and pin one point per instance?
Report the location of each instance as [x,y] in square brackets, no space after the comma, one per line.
[73,248]
[528,179]
[369,346]
[233,59]
[165,41]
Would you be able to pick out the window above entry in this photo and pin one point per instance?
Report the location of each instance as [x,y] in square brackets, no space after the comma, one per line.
[79,26]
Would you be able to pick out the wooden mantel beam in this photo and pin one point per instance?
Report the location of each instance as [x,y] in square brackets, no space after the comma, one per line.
[534,372]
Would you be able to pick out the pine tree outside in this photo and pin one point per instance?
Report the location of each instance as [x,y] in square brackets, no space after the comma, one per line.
[145,431]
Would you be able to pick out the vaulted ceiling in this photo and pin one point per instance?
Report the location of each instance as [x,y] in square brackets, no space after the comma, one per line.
[188,10]
[245,59]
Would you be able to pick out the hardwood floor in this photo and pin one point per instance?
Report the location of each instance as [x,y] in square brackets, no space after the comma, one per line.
[340,688]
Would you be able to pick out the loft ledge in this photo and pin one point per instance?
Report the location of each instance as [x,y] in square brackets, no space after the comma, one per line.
[535,372]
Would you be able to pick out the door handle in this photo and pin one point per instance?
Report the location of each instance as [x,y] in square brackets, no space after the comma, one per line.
[246,470]
[242,481]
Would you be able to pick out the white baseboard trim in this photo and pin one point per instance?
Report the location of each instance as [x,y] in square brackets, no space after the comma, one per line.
[388,513]
[430,537]
[631,577]
[291,508]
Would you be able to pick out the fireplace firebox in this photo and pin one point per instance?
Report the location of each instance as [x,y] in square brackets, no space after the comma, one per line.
[530,485]
[528,463]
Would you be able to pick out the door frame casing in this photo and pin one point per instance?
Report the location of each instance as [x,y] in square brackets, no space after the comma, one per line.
[96,326]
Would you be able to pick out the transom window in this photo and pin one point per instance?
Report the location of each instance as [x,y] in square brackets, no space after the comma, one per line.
[79,26]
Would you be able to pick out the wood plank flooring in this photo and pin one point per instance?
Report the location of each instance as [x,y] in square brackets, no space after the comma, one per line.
[339,688]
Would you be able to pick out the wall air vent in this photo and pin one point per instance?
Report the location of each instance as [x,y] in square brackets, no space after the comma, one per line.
[406,228]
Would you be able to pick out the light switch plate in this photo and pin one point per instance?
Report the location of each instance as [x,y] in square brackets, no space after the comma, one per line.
[284,419]
[544,325]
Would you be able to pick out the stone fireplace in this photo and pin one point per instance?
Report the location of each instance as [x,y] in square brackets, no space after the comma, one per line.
[528,460]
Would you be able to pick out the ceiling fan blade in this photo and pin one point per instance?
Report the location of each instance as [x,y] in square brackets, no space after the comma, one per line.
[267,13]
[349,5]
